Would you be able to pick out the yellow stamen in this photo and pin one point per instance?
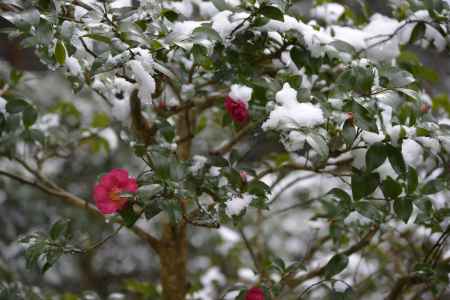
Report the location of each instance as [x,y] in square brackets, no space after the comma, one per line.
[114,195]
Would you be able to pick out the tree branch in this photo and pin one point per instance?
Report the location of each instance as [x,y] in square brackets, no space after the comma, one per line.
[229,146]
[76,201]
[401,284]
[294,282]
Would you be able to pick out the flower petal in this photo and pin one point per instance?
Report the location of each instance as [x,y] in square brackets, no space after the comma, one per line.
[101,194]
[108,181]
[120,176]
[131,186]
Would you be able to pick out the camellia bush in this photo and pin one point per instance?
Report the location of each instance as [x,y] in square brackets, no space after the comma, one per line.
[226,149]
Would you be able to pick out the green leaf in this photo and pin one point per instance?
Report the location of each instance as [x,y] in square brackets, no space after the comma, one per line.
[206,32]
[344,80]
[167,130]
[364,184]
[32,135]
[152,209]
[29,116]
[396,159]
[220,5]
[363,80]
[403,208]
[396,77]
[218,161]
[349,132]
[408,92]
[433,186]
[128,215]
[335,265]
[14,105]
[318,143]
[363,119]
[201,57]
[100,120]
[272,12]
[341,194]
[169,14]
[60,228]
[369,210]
[418,32]
[60,52]
[302,58]
[260,21]
[375,156]
[342,46]
[297,57]
[258,188]
[412,180]
[391,188]
[98,38]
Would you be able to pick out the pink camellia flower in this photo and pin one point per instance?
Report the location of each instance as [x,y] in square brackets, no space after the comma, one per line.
[237,109]
[107,191]
[255,293]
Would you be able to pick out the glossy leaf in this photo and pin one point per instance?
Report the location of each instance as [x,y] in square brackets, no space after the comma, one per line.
[335,265]
[403,208]
[272,12]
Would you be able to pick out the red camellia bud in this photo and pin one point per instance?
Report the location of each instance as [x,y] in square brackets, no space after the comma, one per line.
[254,293]
[424,108]
[237,109]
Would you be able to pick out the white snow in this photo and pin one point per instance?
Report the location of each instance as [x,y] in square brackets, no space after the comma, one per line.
[120,110]
[198,162]
[241,92]
[183,30]
[371,137]
[144,57]
[431,143]
[291,114]
[121,3]
[214,171]
[47,121]
[247,275]
[225,22]
[237,204]
[2,105]
[145,82]
[111,137]
[379,29]
[412,152]
[356,217]
[73,66]
[295,140]
[329,12]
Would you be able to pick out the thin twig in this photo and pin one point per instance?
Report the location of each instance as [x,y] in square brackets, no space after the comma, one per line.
[250,249]
[229,146]
[87,48]
[365,240]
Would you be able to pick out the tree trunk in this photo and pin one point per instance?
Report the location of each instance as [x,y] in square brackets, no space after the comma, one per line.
[173,258]
[173,250]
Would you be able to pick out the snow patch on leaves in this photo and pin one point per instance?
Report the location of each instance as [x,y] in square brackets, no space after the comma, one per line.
[291,114]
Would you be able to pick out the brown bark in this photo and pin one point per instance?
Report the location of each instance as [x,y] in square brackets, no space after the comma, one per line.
[185,135]
[173,249]
[173,258]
